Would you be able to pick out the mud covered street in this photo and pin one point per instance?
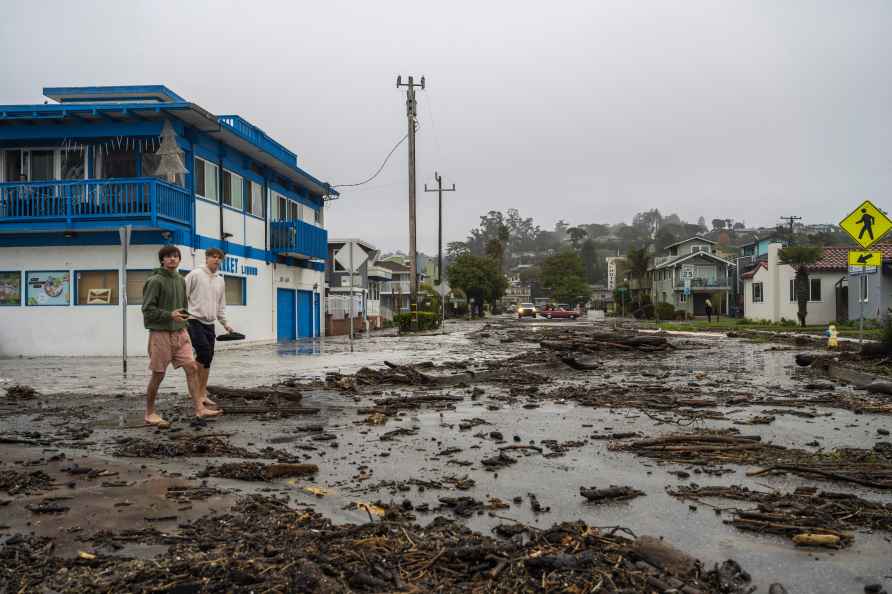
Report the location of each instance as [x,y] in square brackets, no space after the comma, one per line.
[508,456]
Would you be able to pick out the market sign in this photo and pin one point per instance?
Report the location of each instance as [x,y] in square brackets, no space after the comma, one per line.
[857,258]
[867,224]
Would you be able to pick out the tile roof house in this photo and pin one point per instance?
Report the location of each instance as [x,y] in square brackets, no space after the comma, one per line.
[769,287]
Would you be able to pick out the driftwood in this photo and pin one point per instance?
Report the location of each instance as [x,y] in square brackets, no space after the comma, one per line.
[878,387]
[259,393]
[283,470]
[598,341]
[611,493]
[579,365]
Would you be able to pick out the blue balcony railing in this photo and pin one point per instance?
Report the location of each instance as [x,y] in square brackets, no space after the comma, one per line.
[91,200]
[258,137]
[300,238]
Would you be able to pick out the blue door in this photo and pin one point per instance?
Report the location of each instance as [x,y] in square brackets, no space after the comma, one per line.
[304,314]
[316,310]
[285,323]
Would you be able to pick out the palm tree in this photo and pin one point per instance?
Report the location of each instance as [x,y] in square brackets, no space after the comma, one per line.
[638,261]
[800,257]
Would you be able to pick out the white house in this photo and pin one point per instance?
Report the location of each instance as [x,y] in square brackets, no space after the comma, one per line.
[770,292]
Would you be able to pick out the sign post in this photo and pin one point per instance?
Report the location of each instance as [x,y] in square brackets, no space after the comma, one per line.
[124,234]
[867,224]
[351,256]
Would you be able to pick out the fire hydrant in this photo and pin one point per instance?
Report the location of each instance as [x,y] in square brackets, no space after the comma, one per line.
[832,337]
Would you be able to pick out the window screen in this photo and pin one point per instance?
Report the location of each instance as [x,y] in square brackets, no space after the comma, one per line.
[233,190]
[815,289]
[235,290]
[97,287]
[256,194]
[206,179]
[42,167]
[757,292]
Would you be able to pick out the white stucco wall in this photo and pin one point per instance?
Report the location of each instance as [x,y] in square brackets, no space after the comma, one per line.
[97,329]
[776,304]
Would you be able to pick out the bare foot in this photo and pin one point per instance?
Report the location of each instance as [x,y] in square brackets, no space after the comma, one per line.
[156,421]
[203,413]
[208,403]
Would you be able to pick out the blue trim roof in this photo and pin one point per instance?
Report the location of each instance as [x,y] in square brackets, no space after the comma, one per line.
[114,92]
[89,104]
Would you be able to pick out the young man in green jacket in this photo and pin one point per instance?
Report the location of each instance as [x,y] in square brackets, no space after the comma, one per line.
[164,316]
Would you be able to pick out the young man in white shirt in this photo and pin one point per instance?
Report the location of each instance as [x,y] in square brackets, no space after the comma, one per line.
[206,292]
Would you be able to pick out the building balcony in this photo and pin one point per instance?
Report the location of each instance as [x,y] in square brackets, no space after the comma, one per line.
[703,283]
[299,239]
[396,287]
[144,202]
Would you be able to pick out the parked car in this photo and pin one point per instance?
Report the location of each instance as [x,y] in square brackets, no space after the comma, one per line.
[526,309]
[559,311]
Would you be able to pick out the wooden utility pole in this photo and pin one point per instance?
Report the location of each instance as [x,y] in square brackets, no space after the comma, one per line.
[412,116]
[439,190]
[790,221]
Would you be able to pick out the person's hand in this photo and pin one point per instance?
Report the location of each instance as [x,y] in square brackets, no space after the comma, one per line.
[178,316]
[228,328]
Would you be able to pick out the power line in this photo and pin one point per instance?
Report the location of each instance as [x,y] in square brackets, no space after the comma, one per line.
[380,169]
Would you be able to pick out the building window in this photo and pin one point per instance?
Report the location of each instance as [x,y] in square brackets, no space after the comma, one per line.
[233,190]
[682,298]
[256,194]
[42,165]
[815,293]
[814,289]
[235,290]
[12,166]
[117,163]
[317,216]
[10,288]
[136,280]
[757,293]
[73,164]
[864,287]
[206,180]
[97,287]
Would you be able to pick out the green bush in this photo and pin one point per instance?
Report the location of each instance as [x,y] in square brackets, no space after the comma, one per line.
[665,311]
[426,321]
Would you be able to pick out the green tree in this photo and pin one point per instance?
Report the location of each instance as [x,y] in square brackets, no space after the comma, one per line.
[800,257]
[479,278]
[563,276]
[577,234]
[638,262]
[588,251]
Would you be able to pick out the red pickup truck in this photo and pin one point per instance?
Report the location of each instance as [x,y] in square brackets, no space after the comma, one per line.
[560,311]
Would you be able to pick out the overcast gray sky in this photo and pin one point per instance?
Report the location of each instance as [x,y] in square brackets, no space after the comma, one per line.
[584,111]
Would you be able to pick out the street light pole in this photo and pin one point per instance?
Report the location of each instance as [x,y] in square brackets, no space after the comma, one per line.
[439,192]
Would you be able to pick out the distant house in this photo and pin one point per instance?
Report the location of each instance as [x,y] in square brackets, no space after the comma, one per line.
[365,288]
[517,291]
[769,289]
[396,294]
[688,273]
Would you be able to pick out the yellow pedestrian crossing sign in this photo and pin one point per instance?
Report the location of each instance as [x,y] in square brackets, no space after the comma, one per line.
[865,258]
[867,224]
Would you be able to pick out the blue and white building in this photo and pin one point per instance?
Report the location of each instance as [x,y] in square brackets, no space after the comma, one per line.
[77,170]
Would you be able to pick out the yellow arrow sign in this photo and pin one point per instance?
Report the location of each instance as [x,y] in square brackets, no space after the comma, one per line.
[865,258]
[866,224]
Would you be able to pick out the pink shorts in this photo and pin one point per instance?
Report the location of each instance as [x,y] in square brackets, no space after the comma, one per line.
[166,348]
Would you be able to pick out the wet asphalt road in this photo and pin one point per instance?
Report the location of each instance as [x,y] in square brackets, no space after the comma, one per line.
[353,465]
